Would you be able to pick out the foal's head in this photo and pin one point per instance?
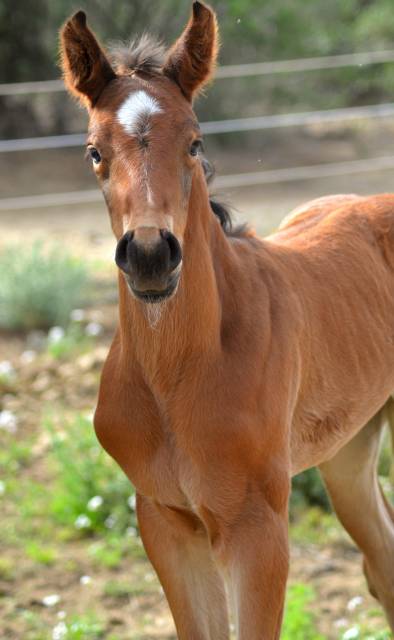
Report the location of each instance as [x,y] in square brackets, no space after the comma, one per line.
[144,140]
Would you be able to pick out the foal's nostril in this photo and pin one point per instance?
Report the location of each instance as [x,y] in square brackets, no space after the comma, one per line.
[148,257]
[121,254]
[175,248]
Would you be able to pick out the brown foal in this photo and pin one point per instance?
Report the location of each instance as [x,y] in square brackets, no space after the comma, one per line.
[238,361]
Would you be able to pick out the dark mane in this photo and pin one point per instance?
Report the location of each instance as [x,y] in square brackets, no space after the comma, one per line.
[221,210]
[145,54]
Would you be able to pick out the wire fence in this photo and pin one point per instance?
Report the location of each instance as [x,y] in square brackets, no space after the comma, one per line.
[234,181]
[258,123]
[237,70]
[237,125]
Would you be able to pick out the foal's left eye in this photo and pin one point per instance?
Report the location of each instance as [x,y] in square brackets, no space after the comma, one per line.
[195,148]
[94,154]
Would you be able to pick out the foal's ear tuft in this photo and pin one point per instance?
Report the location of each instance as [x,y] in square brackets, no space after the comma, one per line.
[191,60]
[85,67]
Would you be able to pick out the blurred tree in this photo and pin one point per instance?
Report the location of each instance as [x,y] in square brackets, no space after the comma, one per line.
[250,31]
[29,30]
[24,53]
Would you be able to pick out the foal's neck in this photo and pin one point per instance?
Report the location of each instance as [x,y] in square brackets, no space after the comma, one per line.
[188,326]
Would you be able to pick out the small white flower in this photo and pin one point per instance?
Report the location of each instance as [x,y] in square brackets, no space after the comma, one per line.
[77,315]
[2,488]
[82,522]
[149,577]
[85,580]
[61,615]
[6,369]
[51,600]
[351,634]
[354,603]
[95,503]
[131,502]
[161,622]
[55,334]
[8,421]
[59,631]
[28,356]
[341,623]
[110,522]
[93,329]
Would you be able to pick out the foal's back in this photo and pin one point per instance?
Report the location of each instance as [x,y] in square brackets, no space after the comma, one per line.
[338,254]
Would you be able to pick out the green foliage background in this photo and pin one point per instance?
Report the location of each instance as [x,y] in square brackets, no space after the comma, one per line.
[251,30]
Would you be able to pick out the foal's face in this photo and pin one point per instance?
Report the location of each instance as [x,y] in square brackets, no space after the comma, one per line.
[144,143]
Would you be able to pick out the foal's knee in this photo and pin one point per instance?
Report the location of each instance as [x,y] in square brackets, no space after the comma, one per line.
[380,580]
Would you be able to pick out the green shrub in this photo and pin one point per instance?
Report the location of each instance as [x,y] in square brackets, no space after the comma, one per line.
[386,455]
[39,286]
[299,623]
[79,628]
[72,343]
[308,490]
[41,554]
[91,493]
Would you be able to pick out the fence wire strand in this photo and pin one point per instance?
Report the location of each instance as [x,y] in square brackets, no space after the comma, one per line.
[273,176]
[299,65]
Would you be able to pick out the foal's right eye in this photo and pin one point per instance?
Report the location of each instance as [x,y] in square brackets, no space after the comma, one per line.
[195,148]
[94,154]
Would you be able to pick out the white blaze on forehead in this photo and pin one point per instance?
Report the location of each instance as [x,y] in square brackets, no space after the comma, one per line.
[136,109]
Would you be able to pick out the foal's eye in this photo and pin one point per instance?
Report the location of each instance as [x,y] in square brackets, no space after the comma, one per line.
[94,154]
[195,148]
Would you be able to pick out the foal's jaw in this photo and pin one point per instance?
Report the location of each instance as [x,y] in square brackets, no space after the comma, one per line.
[155,296]
[151,296]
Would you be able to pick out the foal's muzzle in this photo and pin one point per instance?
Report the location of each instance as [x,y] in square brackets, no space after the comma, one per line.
[150,259]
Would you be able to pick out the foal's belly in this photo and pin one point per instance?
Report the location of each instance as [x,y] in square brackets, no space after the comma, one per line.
[317,438]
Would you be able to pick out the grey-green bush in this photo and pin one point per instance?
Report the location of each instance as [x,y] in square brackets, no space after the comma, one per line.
[39,286]
[308,490]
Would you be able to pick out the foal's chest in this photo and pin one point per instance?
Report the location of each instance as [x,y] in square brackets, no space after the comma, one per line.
[147,450]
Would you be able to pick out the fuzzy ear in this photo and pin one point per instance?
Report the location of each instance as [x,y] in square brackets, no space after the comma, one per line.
[86,69]
[191,60]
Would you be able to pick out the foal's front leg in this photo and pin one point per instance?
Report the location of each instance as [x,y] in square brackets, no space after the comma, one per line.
[178,548]
[254,555]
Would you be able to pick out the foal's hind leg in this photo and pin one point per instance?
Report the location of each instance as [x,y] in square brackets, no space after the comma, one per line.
[352,481]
